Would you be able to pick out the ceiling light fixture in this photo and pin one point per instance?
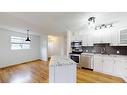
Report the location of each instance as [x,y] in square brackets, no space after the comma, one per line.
[92,25]
[28,37]
[102,26]
[91,22]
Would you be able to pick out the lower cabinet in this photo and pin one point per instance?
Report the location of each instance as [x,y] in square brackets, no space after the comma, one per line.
[111,65]
[120,68]
[108,65]
[62,73]
[98,64]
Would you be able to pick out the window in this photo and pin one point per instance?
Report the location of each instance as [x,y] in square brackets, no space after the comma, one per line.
[19,43]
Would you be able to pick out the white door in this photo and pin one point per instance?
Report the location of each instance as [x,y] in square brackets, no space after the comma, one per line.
[108,65]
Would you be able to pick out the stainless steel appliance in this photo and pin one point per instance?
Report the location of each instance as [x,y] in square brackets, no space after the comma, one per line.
[76,47]
[86,61]
[75,57]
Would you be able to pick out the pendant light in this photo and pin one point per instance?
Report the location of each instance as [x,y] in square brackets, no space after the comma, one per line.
[28,38]
[91,22]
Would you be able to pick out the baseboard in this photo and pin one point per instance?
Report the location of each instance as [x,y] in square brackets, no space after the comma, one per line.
[20,63]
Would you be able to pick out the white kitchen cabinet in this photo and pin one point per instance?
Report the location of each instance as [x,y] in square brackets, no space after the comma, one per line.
[96,36]
[109,35]
[76,36]
[108,65]
[112,65]
[62,70]
[106,36]
[73,36]
[103,64]
[98,64]
[114,38]
[118,67]
[101,36]
[125,69]
[90,38]
[121,67]
[122,37]
[84,38]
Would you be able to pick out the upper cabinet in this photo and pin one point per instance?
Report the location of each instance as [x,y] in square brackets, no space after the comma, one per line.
[75,36]
[84,37]
[101,36]
[123,37]
[114,38]
[111,35]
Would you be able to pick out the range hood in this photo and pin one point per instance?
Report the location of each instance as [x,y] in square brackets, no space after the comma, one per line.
[102,44]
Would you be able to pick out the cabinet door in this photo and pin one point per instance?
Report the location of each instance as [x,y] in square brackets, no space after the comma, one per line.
[90,38]
[96,36]
[108,65]
[114,38]
[120,68]
[106,36]
[123,37]
[65,73]
[74,36]
[98,64]
[84,38]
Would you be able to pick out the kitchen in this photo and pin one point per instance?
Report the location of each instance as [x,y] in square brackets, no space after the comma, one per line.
[102,45]
[70,47]
[85,47]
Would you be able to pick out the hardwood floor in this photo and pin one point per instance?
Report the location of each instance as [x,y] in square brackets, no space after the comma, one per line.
[33,72]
[37,72]
[87,76]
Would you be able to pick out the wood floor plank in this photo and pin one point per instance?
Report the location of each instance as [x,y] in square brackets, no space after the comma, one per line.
[37,72]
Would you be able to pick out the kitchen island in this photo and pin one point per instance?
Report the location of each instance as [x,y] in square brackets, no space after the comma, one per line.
[62,70]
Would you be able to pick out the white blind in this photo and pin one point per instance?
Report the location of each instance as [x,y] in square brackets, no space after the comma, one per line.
[19,43]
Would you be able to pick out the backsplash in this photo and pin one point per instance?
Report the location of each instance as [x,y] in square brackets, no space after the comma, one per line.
[119,50]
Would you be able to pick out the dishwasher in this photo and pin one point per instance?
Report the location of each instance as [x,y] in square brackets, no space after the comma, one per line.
[86,61]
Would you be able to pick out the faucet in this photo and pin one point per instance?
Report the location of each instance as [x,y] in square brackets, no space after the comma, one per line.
[103,50]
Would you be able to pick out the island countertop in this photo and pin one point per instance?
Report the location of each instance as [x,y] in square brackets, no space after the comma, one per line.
[59,60]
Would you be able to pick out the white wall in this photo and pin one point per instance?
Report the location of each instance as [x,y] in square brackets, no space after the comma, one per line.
[10,57]
[68,42]
[44,47]
[57,45]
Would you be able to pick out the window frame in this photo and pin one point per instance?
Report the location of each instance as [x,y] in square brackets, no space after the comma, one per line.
[21,43]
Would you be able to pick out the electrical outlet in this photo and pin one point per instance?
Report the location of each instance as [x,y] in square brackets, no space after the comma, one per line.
[118,52]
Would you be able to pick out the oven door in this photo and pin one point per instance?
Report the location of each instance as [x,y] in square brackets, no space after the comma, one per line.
[75,58]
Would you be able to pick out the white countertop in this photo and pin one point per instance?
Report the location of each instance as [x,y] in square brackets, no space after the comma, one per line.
[60,60]
[106,55]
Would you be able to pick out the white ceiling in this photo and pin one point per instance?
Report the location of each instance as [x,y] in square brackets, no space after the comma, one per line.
[54,22]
